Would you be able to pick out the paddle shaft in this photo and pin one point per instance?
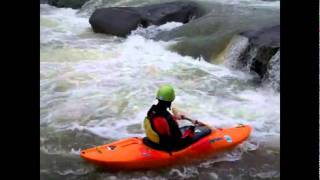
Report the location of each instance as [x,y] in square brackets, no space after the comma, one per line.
[191,120]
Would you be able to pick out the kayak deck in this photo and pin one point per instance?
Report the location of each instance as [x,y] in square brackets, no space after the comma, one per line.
[133,153]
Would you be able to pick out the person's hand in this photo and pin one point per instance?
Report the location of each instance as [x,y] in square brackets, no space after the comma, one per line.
[180,116]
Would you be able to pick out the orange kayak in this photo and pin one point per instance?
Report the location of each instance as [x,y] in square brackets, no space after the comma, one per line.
[135,153]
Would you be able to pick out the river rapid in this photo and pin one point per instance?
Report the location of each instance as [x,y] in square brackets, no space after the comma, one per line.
[95,89]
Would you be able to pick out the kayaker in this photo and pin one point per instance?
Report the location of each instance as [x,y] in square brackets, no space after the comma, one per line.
[161,125]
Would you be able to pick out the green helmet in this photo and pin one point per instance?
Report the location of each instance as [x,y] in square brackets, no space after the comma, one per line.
[166,93]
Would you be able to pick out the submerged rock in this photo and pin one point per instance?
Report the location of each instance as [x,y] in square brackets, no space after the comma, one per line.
[75,4]
[120,21]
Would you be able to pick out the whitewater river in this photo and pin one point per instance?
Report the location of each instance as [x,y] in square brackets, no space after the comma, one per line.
[95,89]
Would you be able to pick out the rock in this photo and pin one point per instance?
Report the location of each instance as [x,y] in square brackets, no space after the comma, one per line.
[268,37]
[75,4]
[263,45]
[43,1]
[158,14]
[117,21]
[261,61]
[120,21]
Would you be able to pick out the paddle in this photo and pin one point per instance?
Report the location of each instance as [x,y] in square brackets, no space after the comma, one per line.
[191,120]
[196,122]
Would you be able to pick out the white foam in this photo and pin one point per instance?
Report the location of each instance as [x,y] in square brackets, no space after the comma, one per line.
[184,173]
[80,171]
[52,150]
[267,175]
[153,30]
[106,79]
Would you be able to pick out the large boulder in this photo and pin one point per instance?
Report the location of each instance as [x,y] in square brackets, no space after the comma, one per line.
[120,21]
[116,21]
[75,4]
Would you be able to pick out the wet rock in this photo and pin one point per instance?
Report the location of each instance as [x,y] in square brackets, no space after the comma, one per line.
[266,37]
[115,21]
[261,61]
[263,45]
[75,4]
[120,21]
[43,1]
[272,76]
[158,14]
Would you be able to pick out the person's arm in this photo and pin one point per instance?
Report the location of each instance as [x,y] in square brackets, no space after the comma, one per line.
[176,114]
